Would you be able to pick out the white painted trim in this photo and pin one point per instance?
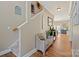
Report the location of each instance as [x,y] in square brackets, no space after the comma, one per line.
[30,53]
[37,14]
[5,51]
[12,49]
[13,44]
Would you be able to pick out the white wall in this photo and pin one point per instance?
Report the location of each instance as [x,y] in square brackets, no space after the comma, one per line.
[8,18]
[75,28]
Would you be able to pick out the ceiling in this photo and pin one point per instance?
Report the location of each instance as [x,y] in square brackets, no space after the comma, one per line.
[52,6]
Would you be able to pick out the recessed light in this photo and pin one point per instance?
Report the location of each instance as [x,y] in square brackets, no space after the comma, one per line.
[58,9]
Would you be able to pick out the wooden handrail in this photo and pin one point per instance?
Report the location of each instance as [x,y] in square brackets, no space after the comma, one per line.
[14,29]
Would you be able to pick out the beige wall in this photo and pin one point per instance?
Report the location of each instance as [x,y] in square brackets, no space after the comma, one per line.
[75,37]
[30,29]
[8,19]
[28,32]
[45,15]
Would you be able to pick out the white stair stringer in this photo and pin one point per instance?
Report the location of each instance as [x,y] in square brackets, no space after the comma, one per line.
[15,48]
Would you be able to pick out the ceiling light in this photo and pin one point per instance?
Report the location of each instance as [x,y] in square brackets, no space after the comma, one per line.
[58,9]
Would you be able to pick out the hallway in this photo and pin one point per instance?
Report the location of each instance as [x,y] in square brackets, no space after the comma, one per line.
[29,26]
[60,48]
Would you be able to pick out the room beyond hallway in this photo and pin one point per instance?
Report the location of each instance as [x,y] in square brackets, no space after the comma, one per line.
[60,48]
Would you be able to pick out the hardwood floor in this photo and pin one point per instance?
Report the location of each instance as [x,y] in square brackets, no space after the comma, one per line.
[60,48]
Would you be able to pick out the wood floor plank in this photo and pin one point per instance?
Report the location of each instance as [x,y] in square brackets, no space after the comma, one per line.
[60,48]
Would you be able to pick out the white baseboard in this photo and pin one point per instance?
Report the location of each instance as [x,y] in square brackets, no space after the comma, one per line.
[30,53]
[5,51]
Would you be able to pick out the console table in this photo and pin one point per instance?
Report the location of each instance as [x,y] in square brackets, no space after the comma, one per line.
[42,43]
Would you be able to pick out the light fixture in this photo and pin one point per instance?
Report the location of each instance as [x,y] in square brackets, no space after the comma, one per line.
[58,9]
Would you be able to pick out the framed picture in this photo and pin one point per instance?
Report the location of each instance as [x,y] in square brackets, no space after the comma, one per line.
[50,21]
[18,10]
[35,7]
